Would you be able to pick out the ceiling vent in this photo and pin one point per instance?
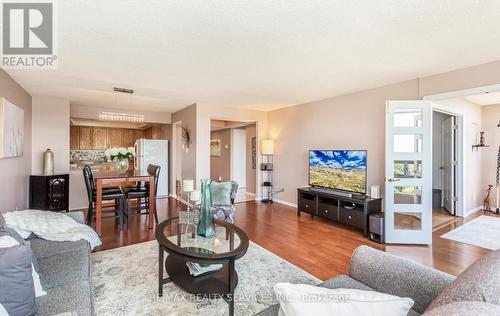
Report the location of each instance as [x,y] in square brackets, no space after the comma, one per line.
[123,90]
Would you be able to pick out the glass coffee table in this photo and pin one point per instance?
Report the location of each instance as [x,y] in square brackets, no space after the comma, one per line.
[177,236]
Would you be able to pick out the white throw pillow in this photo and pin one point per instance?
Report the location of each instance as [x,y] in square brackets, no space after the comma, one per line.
[3,312]
[303,299]
[7,242]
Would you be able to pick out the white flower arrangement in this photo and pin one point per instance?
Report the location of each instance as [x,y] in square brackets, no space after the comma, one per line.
[120,153]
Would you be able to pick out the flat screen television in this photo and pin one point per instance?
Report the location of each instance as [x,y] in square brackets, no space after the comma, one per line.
[343,170]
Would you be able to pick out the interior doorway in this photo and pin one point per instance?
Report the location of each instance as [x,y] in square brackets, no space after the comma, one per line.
[444,168]
[233,155]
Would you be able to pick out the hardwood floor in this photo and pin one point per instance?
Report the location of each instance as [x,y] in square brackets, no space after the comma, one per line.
[318,246]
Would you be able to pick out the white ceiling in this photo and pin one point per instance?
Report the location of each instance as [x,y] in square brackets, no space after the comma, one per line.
[485,98]
[256,54]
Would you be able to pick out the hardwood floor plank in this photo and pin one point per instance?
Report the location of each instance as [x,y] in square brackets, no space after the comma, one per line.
[318,246]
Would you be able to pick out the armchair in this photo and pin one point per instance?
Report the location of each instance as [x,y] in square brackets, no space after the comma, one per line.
[223,211]
[226,212]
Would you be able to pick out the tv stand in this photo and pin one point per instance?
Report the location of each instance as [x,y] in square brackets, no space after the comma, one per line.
[351,210]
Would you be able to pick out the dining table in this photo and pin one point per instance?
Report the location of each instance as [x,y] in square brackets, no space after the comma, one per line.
[113,177]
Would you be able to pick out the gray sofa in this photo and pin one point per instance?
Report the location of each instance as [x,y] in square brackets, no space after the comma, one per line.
[475,291]
[65,274]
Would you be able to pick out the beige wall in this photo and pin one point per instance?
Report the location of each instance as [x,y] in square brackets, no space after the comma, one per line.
[205,113]
[15,171]
[251,173]
[220,167]
[358,121]
[188,117]
[50,129]
[490,118]
[466,78]
[354,121]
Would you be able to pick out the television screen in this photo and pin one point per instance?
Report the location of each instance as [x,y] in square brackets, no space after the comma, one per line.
[338,169]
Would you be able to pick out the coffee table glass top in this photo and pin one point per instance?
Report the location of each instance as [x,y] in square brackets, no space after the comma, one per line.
[179,235]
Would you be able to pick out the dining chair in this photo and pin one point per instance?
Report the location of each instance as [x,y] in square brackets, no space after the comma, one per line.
[108,194]
[140,193]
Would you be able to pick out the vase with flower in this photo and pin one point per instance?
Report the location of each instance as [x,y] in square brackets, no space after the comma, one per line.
[121,156]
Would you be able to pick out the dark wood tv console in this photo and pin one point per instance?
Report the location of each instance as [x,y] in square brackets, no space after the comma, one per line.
[352,211]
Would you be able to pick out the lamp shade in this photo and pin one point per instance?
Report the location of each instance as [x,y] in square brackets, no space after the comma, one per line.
[188,185]
[195,196]
[267,147]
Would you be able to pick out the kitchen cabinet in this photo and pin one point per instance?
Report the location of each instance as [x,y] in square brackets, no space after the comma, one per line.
[154,132]
[128,137]
[115,137]
[138,134]
[74,137]
[99,138]
[85,136]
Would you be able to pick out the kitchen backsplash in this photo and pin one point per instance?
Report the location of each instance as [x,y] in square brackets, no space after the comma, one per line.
[76,156]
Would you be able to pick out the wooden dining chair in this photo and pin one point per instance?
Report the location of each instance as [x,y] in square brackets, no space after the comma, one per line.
[117,210]
[140,193]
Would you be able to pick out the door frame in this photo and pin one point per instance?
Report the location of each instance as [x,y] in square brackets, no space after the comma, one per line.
[232,158]
[460,150]
[173,158]
[258,193]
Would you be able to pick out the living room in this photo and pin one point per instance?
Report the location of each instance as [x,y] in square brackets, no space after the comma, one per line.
[338,142]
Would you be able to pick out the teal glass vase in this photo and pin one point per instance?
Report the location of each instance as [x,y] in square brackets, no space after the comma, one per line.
[206,227]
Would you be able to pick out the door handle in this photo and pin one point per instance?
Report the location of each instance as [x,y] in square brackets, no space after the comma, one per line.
[393,180]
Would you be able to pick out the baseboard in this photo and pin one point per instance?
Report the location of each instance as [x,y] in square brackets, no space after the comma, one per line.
[285,203]
[473,210]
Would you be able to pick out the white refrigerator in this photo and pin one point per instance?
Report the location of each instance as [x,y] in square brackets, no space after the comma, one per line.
[155,152]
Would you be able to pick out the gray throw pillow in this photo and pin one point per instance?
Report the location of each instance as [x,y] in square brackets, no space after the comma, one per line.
[221,193]
[479,282]
[17,291]
[2,221]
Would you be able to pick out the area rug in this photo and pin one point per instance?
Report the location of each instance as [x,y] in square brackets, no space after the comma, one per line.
[125,282]
[483,231]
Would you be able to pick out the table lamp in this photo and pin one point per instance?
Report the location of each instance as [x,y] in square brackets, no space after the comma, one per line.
[188,187]
[267,147]
[195,196]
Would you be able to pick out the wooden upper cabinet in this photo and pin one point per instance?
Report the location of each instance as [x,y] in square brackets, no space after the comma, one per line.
[128,137]
[154,132]
[99,138]
[85,137]
[139,133]
[115,137]
[74,137]
[148,133]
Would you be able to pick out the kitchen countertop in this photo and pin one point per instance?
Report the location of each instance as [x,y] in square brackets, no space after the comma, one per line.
[96,166]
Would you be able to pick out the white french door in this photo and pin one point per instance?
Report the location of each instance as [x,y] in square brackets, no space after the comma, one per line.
[408,172]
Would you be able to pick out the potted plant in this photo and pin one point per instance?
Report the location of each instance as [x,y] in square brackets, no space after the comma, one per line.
[122,156]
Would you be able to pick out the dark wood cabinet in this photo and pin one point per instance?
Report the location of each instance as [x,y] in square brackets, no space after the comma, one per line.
[74,137]
[49,193]
[351,211]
